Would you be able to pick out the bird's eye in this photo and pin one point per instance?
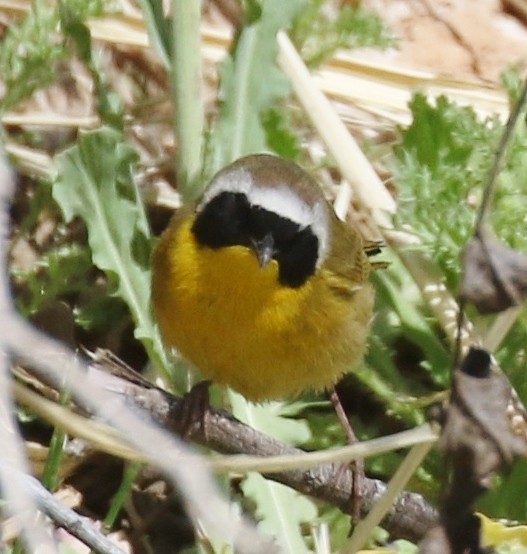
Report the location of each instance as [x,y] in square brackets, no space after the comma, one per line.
[223,221]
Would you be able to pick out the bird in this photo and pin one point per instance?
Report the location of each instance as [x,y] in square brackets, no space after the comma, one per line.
[260,285]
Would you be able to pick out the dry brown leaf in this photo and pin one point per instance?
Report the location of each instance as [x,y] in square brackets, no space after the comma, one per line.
[478,441]
[494,275]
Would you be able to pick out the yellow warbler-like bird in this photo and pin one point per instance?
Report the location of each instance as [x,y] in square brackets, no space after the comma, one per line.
[260,285]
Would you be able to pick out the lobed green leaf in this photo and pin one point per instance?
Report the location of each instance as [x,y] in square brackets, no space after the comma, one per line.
[94,181]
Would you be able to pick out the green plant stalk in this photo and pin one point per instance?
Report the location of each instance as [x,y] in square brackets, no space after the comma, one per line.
[129,476]
[56,451]
[246,57]
[187,93]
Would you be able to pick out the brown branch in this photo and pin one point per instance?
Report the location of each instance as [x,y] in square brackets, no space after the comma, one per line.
[410,517]
[63,516]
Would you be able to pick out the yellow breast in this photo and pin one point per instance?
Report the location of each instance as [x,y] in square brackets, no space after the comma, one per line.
[235,322]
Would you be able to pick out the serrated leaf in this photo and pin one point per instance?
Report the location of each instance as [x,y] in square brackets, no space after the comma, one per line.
[280,511]
[58,272]
[444,157]
[93,180]
[30,51]
[269,418]
[320,34]
[279,134]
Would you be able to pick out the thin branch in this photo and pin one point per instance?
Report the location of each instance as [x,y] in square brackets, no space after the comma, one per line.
[18,501]
[410,517]
[499,158]
[104,438]
[64,517]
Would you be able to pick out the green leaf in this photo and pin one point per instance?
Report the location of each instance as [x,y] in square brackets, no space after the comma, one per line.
[94,181]
[59,272]
[81,35]
[109,103]
[30,52]
[253,11]
[158,27]
[320,35]
[280,511]
[269,418]
[405,547]
[442,161]
[96,310]
[279,134]
[251,83]
[390,285]
[503,500]
[442,164]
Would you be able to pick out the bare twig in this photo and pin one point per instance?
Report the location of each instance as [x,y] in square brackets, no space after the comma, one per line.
[409,518]
[157,402]
[18,501]
[313,473]
[64,517]
[500,156]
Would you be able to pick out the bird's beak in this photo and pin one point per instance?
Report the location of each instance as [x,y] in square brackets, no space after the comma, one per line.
[264,249]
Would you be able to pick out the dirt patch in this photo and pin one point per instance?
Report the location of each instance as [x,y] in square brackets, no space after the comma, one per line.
[458,38]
